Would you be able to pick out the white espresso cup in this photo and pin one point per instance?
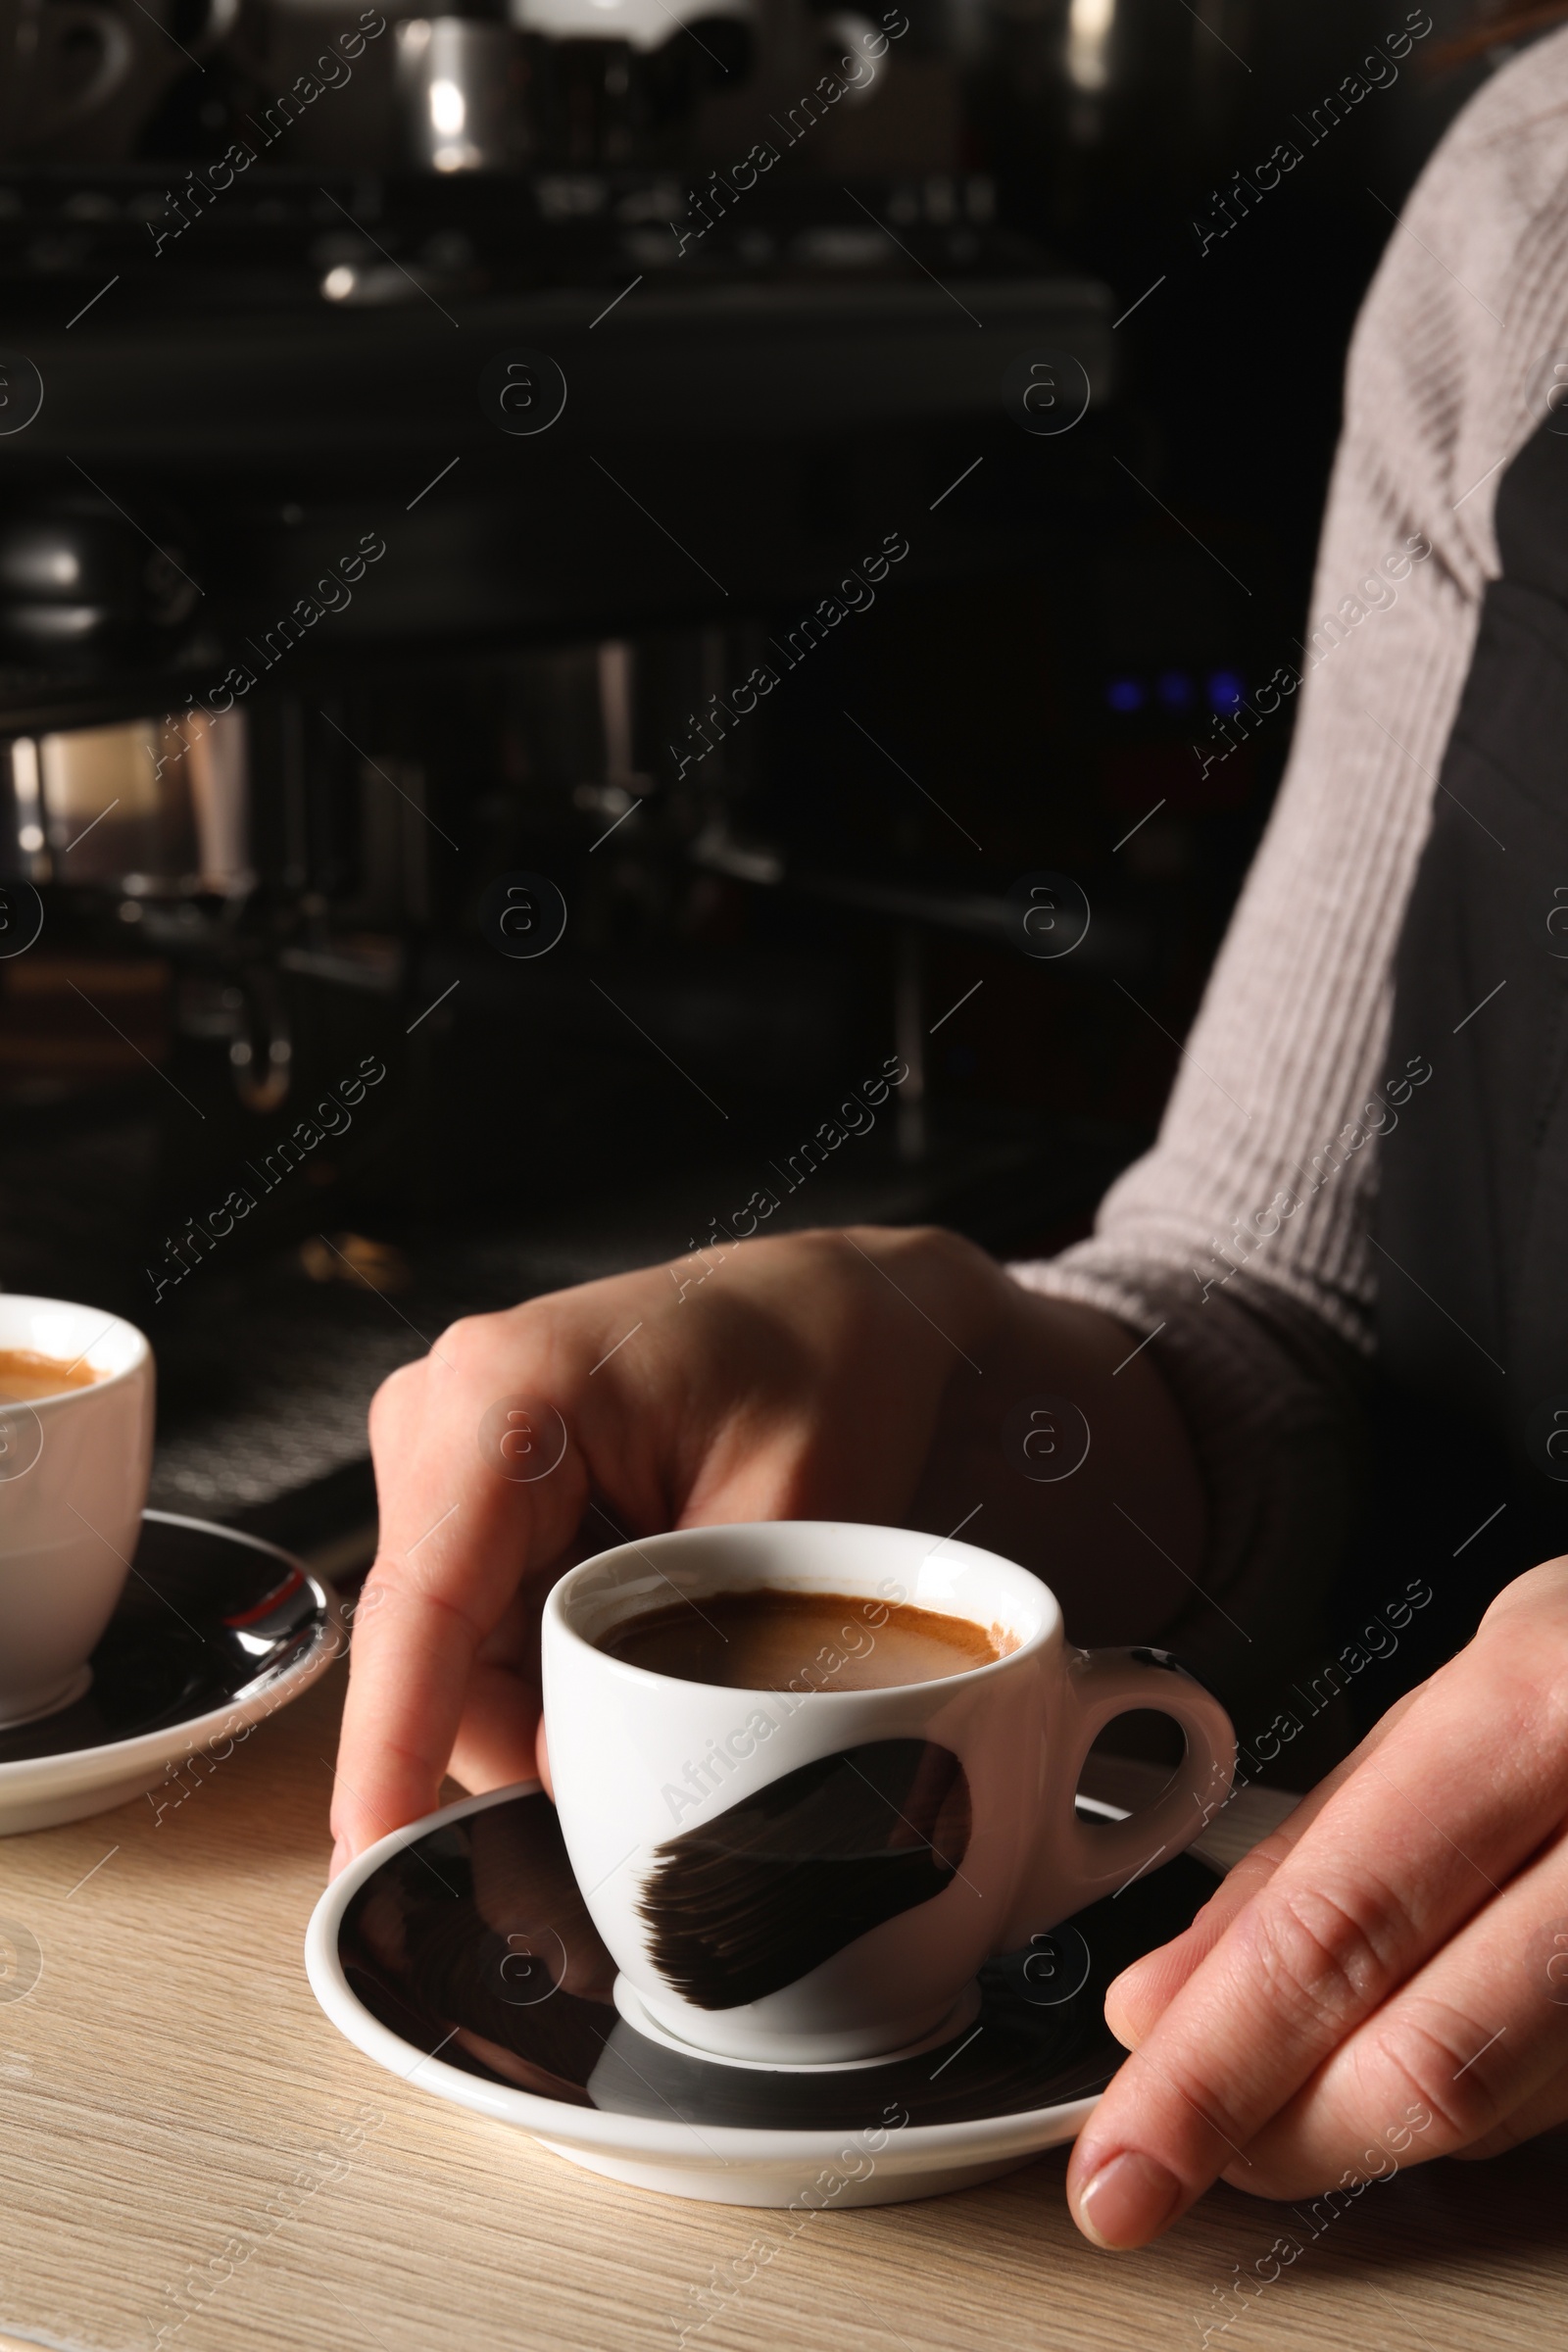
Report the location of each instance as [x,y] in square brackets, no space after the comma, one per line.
[74,1469]
[813,1876]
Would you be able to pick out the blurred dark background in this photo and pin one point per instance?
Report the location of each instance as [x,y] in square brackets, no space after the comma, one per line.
[422,443]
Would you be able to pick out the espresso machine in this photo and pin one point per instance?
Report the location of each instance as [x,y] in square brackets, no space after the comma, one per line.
[571,571]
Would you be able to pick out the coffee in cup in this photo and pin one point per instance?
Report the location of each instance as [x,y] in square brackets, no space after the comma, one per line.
[808,1867]
[765,1639]
[26,1375]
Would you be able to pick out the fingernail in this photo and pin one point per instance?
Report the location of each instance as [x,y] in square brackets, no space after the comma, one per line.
[1127,1981]
[1127,2201]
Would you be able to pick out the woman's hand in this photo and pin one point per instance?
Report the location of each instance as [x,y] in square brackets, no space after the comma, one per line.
[790,1379]
[1398,1951]
[861,1374]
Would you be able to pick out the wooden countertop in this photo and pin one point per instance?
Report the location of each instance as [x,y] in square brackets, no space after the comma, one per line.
[189,2146]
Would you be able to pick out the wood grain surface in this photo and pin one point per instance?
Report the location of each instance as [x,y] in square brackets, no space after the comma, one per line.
[189,2147]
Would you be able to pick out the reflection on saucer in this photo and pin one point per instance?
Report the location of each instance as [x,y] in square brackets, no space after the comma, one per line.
[428,1945]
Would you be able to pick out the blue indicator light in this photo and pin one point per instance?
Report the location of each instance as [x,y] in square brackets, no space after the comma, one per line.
[1224,689]
[1175,689]
[1124,694]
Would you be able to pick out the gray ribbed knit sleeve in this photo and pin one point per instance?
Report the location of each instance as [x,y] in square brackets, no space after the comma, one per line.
[1242,1236]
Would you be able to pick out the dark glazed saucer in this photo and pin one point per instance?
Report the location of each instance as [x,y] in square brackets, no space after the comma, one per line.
[213,1629]
[459,1952]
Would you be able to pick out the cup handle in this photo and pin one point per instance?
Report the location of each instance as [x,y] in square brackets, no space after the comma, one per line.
[1074,1862]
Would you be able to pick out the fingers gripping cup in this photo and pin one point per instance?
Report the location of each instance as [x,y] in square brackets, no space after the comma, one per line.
[811,1775]
[75,1447]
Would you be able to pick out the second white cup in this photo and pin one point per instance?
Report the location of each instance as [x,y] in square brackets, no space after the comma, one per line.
[73,1471]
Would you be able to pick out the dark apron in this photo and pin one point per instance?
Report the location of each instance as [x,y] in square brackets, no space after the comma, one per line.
[1471,1223]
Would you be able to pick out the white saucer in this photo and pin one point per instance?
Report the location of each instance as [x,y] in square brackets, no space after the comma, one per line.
[214,1631]
[458,1954]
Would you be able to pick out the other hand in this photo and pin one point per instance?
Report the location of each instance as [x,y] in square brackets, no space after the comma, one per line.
[1385,1980]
